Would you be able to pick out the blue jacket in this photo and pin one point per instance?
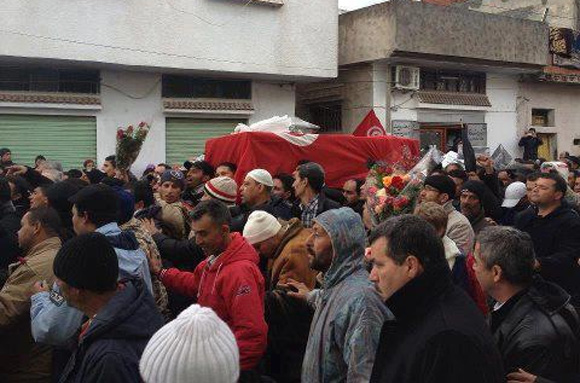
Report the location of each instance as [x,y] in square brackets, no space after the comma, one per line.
[346,327]
[111,347]
[54,322]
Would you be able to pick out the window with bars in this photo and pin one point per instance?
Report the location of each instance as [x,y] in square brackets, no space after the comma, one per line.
[42,79]
[197,87]
[451,81]
[328,116]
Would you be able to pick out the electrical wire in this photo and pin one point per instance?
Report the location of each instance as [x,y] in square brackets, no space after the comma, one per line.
[170,4]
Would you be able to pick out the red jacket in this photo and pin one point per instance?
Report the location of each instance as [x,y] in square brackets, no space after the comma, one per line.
[234,288]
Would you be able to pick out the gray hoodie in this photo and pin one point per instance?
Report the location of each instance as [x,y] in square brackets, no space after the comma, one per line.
[349,313]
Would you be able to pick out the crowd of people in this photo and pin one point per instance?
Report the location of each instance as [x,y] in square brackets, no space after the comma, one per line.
[182,275]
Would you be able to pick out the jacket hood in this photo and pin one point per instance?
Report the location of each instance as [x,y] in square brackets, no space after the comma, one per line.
[130,314]
[238,250]
[548,296]
[347,235]
[451,250]
[124,240]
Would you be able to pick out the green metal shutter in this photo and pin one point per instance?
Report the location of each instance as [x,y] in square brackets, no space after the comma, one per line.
[186,137]
[67,139]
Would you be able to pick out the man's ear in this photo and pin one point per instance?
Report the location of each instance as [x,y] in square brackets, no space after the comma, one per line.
[443,198]
[497,273]
[225,228]
[414,267]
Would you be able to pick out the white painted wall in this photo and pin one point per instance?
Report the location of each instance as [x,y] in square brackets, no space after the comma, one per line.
[128,98]
[501,119]
[403,106]
[298,39]
[271,99]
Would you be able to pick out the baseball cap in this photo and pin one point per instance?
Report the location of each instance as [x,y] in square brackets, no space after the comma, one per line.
[513,194]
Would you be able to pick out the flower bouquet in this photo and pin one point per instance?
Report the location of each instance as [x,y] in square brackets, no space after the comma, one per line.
[129,143]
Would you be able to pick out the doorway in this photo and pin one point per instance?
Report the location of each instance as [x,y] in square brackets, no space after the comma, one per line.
[444,137]
[549,147]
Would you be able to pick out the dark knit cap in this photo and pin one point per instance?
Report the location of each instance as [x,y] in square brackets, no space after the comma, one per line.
[204,166]
[442,183]
[126,205]
[174,176]
[475,187]
[88,262]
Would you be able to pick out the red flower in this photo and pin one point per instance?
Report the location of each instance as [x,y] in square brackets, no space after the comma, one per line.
[142,124]
[398,183]
[120,133]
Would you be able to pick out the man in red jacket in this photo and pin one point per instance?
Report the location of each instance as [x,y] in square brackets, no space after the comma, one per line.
[228,281]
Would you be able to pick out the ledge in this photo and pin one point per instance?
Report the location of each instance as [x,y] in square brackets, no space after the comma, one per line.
[50,98]
[449,98]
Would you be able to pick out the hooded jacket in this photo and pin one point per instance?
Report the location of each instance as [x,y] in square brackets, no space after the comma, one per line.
[54,322]
[233,287]
[540,333]
[110,347]
[556,243]
[438,336]
[22,359]
[345,330]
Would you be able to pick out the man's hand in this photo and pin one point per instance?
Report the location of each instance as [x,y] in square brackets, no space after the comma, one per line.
[295,289]
[17,170]
[149,225]
[486,163]
[521,376]
[39,287]
[155,265]
[123,175]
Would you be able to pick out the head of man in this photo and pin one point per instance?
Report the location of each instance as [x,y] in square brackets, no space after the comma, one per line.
[308,180]
[437,188]
[88,165]
[38,197]
[110,166]
[5,191]
[39,160]
[36,226]
[211,226]
[5,155]
[506,177]
[283,187]
[504,258]
[459,177]
[94,206]
[351,191]
[19,188]
[515,195]
[171,185]
[434,214]
[548,191]
[143,194]
[402,249]
[86,270]
[223,189]
[161,168]
[256,187]
[199,172]
[264,232]
[532,132]
[577,185]
[226,169]
[531,180]
[471,199]
[453,166]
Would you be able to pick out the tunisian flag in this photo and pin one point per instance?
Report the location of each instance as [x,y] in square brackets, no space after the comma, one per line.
[370,126]
[341,155]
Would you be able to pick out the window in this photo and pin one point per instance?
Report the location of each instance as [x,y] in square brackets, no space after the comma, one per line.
[448,81]
[14,78]
[328,116]
[543,117]
[196,87]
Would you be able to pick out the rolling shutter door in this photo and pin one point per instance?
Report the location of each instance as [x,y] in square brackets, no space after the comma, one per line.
[67,139]
[186,137]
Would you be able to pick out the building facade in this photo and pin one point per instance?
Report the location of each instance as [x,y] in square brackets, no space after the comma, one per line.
[72,73]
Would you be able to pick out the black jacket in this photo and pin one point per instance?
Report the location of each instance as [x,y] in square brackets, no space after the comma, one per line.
[438,336]
[9,250]
[183,254]
[557,244]
[110,349]
[325,204]
[540,333]
[530,145]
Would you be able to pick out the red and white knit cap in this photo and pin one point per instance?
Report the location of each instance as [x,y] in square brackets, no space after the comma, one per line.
[224,189]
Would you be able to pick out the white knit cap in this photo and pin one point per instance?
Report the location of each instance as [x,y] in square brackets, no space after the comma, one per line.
[195,347]
[260,227]
[261,176]
[224,189]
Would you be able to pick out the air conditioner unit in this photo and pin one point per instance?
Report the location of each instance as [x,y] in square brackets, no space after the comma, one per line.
[407,77]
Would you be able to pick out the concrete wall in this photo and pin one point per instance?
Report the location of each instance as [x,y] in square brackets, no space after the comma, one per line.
[501,119]
[292,40]
[408,27]
[271,99]
[564,99]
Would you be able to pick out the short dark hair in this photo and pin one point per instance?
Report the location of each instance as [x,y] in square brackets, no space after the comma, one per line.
[142,191]
[561,184]
[74,173]
[99,201]
[40,157]
[217,210]
[510,249]
[5,193]
[287,181]
[534,129]
[112,159]
[410,235]
[21,185]
[533,176]
[205,168]
[167,167]
[314,173]
[86,162]
[358,184]
[228,165]
[48,219]
[458,173]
